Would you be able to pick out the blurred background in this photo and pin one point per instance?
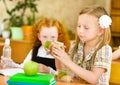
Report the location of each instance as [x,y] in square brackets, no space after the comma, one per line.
[64,10]
[23,13]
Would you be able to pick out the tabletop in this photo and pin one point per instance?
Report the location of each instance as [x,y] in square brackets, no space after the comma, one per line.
[115,73]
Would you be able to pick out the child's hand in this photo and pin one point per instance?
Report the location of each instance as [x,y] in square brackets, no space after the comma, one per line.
[43,69]
[60,54]
[6,62]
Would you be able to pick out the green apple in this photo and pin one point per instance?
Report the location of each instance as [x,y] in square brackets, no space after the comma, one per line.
[31,68]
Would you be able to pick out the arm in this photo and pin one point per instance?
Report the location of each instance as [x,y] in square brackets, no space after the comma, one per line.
[116,54]
[28,57]
[10,63]
[87,75]
[90,76]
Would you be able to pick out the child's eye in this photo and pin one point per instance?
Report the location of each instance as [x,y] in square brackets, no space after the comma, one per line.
[79,26]
[45,36]
[86,28]
[53,37]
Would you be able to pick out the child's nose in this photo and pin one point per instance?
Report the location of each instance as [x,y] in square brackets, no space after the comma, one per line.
[49,39]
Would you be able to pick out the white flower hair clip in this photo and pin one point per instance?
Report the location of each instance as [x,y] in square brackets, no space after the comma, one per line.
[105,21]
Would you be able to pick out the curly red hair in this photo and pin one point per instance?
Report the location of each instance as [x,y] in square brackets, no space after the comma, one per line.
[48,22]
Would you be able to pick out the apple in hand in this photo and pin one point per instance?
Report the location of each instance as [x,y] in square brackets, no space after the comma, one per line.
[47,43]
[31,68]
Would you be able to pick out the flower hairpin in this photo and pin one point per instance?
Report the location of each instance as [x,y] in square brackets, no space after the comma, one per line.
[105,21]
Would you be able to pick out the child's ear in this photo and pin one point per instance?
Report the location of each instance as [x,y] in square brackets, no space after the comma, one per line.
[101,31]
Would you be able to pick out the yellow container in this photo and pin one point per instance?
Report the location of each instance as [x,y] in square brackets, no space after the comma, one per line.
[115,72]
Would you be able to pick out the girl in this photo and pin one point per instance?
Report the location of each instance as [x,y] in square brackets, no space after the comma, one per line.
[91,55]
[44,30]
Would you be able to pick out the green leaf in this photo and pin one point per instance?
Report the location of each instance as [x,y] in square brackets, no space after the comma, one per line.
[8,12]
[17,15]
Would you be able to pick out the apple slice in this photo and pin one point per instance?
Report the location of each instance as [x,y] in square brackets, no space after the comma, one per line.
[61,74]
[47,43]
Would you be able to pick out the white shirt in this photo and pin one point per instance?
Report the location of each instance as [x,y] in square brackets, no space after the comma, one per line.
[41,53]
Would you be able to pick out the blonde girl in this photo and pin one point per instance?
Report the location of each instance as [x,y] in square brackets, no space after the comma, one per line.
[91,55]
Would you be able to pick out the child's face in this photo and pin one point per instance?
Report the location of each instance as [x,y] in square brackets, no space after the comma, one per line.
[48,34]
[88,28]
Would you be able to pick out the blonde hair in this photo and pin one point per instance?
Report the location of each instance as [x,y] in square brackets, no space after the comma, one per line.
[48,22]
[96,11]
